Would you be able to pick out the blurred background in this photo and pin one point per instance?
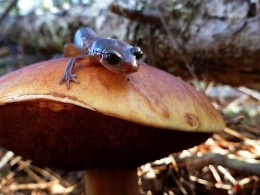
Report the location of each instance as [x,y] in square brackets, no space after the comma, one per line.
[214,45]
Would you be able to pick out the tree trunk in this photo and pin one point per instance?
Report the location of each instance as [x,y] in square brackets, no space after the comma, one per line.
[210,40]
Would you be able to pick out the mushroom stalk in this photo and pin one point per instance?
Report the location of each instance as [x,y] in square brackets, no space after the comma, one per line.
[111,182]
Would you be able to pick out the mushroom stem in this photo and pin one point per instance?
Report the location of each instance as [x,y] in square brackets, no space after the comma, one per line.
[108,182]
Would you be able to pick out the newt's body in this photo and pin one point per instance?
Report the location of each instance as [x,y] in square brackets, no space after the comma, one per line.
[115,55]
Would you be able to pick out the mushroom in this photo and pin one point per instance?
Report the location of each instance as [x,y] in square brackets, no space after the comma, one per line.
[108,124]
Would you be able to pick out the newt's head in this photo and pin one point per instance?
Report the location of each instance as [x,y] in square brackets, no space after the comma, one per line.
[117,56]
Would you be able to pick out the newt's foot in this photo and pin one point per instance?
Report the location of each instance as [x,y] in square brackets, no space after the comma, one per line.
[67,78]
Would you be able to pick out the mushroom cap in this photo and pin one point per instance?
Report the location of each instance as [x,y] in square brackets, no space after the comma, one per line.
[108,120]
[149,97]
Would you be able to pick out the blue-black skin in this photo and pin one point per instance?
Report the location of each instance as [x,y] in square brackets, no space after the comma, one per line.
[115,55]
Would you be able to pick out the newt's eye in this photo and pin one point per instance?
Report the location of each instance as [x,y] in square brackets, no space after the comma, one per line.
[137,52]
[112,58]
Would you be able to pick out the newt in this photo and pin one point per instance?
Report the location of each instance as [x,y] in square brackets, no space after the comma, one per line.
[115,55]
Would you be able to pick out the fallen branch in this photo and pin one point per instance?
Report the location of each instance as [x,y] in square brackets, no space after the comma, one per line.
[10,6]
[247,168]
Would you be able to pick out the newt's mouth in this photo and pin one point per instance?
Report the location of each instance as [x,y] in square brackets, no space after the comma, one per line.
[128,68]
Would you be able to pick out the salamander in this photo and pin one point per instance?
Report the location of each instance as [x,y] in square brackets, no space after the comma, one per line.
[115,55]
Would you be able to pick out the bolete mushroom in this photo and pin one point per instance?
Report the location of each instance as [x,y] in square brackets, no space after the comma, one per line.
[108,124]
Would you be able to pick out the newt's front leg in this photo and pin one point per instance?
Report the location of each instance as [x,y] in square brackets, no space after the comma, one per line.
[68,76]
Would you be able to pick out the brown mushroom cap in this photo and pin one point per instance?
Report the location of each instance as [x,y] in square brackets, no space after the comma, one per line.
[108,120]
